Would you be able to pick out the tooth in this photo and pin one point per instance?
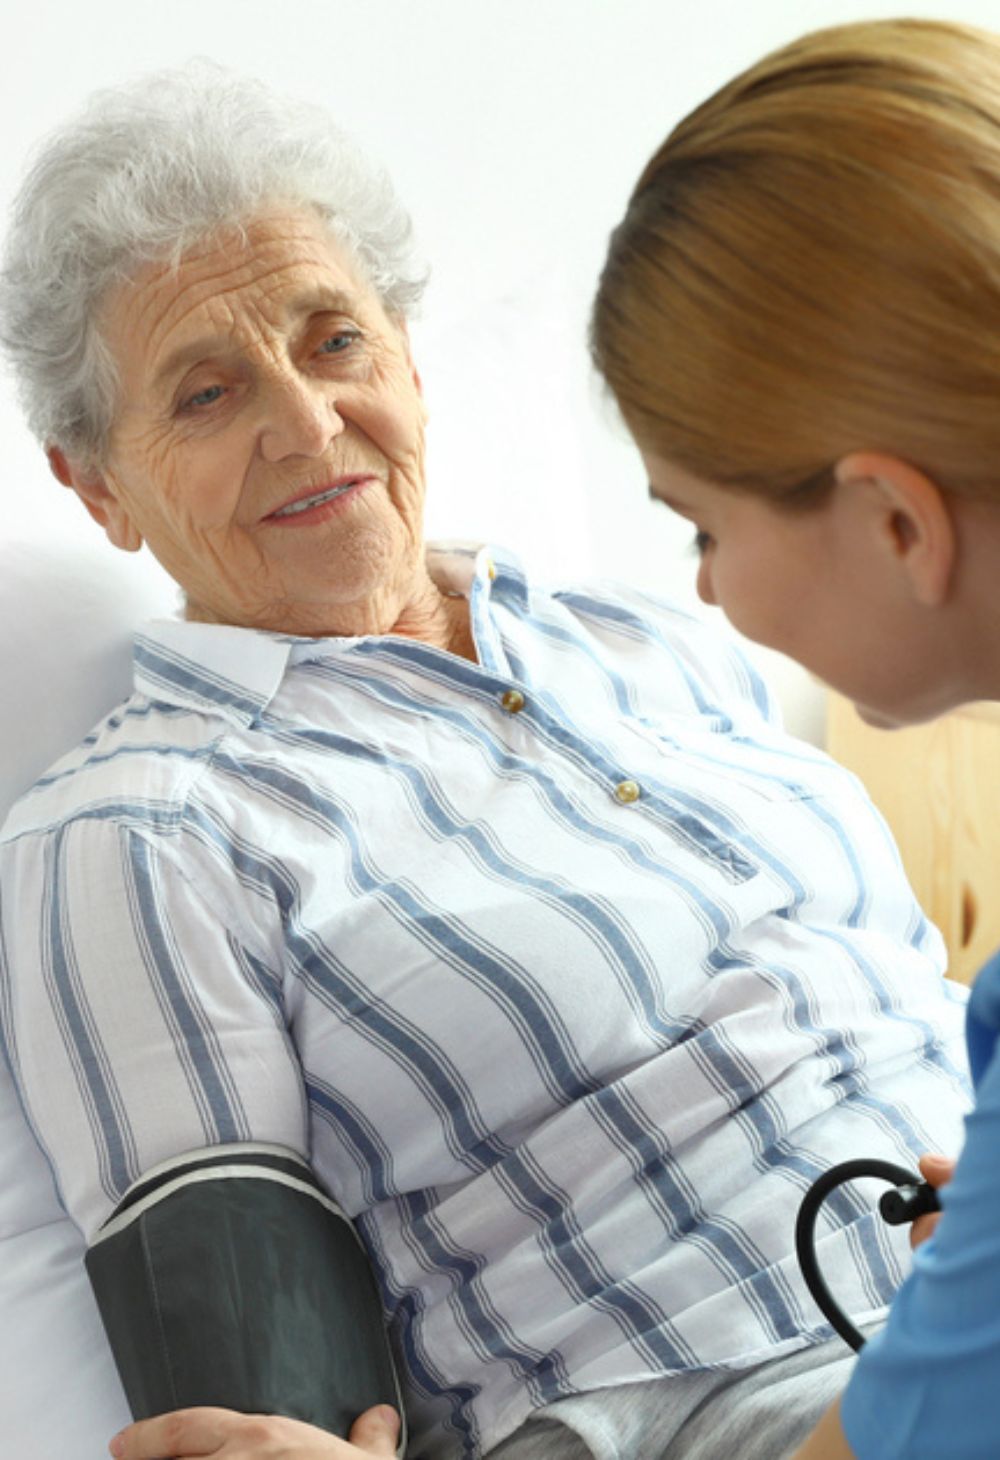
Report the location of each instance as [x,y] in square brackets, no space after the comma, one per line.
[313,501]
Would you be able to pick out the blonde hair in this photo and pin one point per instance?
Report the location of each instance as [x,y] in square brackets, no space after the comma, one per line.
[810,265]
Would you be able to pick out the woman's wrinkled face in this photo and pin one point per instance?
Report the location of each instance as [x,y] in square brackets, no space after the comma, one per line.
[269,443]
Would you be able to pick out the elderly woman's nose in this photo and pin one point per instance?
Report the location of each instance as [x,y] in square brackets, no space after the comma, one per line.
[300,419]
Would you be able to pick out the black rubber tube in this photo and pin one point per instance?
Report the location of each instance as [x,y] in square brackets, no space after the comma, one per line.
[805,1226]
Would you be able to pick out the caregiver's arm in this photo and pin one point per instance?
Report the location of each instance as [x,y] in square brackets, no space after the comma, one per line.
[142,1009]
[925,1385]
[827,1441]
[221,1433]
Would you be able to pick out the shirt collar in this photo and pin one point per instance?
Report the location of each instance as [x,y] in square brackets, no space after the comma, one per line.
[459,567]
[236,672]
[217,667]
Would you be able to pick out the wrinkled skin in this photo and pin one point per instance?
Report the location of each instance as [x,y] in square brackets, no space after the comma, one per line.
[265,367]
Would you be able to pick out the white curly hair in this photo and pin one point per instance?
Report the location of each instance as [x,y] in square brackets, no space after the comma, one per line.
[144,172]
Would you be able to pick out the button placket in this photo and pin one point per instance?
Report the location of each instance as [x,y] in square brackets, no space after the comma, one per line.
[513,701]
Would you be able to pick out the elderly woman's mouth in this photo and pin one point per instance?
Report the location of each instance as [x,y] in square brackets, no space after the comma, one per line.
[315,505]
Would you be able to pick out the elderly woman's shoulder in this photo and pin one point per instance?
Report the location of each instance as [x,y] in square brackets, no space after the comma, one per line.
[137,765]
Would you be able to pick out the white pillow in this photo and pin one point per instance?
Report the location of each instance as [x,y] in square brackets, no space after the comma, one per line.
[65,661]
[59,1391]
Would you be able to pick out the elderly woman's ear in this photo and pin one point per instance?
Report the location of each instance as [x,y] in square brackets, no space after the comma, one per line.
[90,486]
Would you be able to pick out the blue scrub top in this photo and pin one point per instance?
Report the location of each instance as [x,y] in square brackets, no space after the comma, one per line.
[928,1384]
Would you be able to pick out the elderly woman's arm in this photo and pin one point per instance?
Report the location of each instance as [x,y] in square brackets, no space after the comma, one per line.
[144,1016]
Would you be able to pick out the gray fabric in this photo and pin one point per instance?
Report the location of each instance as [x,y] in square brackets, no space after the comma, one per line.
[758,1414]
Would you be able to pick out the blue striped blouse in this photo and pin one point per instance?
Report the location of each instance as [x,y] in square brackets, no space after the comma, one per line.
[567,970]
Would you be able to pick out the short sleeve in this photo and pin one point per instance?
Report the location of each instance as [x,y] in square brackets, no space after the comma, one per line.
[139,1020]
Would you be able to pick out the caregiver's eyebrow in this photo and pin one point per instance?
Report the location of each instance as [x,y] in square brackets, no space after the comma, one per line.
[655,495]
[315,301]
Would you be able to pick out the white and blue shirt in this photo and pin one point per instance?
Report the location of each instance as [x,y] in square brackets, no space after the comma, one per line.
[567,970]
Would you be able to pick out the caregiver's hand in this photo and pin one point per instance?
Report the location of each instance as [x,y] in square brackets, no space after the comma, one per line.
[937,1171]
[188,1433]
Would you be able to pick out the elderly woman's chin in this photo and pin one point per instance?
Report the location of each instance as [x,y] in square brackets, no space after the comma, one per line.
[334,585]
[268,443]
[347,572]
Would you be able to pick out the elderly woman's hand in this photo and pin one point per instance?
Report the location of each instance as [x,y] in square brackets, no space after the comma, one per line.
[187,1433]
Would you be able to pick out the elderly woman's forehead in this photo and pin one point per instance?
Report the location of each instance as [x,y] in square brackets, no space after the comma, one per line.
[287,263]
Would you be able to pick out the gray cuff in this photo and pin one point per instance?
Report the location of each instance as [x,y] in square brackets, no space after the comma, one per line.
[226,1277]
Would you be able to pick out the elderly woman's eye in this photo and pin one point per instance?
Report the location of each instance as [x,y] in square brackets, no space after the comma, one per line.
[205,397]
[338,343]
[702,542]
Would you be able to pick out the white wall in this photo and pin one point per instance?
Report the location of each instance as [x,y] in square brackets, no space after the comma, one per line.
[514,130]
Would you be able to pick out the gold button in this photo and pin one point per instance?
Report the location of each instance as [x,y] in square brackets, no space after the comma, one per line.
[512,700]
[628,791]
[491,569]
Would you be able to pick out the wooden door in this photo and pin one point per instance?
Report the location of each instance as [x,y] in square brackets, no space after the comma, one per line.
[938,786]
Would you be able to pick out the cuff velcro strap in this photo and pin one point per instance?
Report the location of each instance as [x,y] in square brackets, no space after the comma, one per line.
[228,1278]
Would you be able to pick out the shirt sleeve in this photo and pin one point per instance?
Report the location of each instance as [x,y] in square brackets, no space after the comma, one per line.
[925,1385]
[141,1012]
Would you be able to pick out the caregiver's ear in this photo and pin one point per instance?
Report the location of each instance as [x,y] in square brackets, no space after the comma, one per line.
[95,494]
[910,515]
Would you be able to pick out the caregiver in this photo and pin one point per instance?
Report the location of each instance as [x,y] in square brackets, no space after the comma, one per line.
[799,317]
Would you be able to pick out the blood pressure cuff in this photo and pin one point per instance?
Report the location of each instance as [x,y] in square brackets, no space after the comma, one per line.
[228,1278]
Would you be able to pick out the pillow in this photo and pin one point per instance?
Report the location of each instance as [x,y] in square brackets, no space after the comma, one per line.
[59,1391]
[64,662]
[65,658]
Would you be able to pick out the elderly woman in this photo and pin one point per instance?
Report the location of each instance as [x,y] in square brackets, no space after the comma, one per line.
[509,915]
